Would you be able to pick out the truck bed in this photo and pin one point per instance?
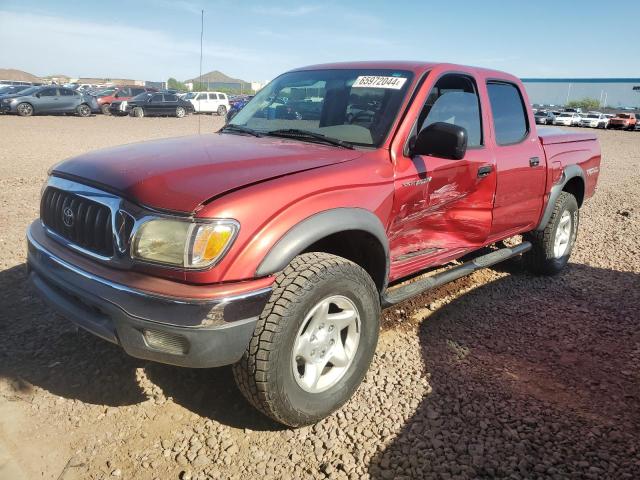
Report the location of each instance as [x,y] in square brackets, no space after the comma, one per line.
[551,136]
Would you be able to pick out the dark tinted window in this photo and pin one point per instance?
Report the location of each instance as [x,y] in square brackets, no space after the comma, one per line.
[49,92]
[65,92]
[509,115]
[137,91]
[170,98]
[454,99]
[157,98]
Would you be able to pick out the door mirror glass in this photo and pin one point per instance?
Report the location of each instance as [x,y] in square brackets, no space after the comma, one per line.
[443,140]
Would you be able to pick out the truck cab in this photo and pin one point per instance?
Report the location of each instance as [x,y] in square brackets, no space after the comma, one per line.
[274,243]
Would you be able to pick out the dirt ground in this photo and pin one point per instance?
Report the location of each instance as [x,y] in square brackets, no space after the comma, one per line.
[501,374]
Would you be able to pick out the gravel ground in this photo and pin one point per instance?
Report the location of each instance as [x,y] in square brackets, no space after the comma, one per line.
[500,374]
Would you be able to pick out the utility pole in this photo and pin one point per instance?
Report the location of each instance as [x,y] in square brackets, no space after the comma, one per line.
[568,93]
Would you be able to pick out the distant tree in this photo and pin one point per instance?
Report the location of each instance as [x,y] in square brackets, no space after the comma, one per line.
[584,103]
[175,84]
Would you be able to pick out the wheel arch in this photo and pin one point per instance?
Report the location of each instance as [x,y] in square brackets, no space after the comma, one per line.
[352,233]
[572,181]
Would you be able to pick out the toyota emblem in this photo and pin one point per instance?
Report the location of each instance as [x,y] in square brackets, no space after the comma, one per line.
[67,216]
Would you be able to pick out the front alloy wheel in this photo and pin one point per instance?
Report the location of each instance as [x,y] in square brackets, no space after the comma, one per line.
[84,110]
[326,344]
[24,110]
[180,112]
[314,341]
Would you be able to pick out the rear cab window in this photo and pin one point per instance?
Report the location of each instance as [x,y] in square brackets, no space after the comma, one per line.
[510,120]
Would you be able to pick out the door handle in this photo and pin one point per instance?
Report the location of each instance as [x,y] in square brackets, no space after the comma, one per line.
[484,171]
[534,161]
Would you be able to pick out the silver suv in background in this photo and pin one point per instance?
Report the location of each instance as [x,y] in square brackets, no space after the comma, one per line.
[49,99]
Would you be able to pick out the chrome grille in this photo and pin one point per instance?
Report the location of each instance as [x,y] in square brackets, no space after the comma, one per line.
[82,221]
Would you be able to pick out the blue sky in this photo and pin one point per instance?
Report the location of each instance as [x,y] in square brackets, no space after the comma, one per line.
[155,39]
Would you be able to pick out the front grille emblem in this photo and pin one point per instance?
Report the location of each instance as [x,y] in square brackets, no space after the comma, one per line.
[67,216]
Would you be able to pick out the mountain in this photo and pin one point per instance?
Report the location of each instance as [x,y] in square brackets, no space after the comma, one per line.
[17,75]
[217,76]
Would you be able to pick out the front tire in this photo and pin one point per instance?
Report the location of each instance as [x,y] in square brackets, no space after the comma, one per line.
[24,109]
[138,112]
[83,110]
[180,112]
[552,246]
[313,342]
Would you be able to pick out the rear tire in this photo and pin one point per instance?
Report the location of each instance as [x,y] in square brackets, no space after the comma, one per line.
[180,112]
[552,246]
[83,110]
[287,372]
[24,109]
[105,109]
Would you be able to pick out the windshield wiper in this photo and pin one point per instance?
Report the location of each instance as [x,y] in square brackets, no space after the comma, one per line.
[242,129]
[299,133]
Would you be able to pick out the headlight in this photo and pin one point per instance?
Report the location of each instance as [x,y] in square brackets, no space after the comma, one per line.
[182,243]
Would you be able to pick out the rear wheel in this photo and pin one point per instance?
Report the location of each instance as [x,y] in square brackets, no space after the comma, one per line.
[314,341]
[24,109]
[83,110]
[105,109]
[222,110]
[552,246]
[180,112]
[138,112]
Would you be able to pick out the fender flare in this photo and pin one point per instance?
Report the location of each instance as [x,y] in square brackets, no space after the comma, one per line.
[317,227]
[569,172]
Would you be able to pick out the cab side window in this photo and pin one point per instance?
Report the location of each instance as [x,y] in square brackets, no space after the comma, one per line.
[49,92]
[157,98]
[454,99]
[509,115]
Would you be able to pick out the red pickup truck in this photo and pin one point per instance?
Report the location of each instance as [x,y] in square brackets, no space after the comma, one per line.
[274,243]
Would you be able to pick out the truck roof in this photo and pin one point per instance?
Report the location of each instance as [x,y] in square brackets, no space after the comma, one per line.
[417,67]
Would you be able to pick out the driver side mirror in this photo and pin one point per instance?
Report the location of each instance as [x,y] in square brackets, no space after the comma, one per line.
[443,140]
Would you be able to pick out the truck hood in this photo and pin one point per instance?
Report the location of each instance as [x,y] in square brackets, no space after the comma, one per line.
[180,174]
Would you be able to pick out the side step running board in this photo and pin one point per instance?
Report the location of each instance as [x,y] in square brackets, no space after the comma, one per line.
[402,293]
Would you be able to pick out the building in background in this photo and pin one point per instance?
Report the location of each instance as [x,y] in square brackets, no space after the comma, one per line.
[255,86]
[610,92]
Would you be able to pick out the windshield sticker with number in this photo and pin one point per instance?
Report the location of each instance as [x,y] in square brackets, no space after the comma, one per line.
[374,81]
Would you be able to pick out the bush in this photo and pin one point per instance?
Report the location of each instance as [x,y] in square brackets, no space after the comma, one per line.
[585,103]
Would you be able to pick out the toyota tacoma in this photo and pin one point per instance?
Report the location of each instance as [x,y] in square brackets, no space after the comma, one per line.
[273,244]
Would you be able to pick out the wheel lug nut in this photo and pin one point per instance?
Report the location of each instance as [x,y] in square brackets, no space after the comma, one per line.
[331,328]
[321,326]
[332,341]
[313,352]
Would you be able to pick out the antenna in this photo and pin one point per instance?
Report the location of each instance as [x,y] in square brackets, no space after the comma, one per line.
[200,76]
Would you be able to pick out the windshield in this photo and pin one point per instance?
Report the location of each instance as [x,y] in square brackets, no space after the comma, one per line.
[566,115]
[107,92]
[141,97]
[541,114]
[355,106]
[29,91]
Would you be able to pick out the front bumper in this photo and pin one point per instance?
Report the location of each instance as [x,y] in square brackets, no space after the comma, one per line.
[178,331]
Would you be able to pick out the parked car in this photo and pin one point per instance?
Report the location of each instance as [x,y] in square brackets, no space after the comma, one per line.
[274,244]
[209,102]
[594,120]
[49,99]
[107,96]
[237,104]
[158,104]
[544,117]
[12,89]
[568,119]
[624,121]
